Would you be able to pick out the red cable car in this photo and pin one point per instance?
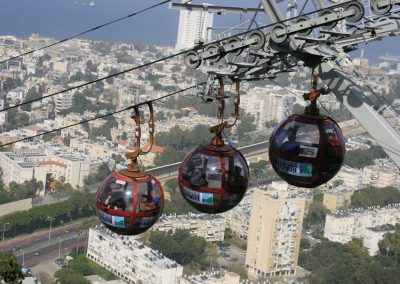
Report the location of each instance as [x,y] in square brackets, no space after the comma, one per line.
[128,205]
[307,149]
[130,201]
[213,179]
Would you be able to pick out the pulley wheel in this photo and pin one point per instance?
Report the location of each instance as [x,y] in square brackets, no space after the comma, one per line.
[231,42]
[300,20]
[378,8]
[358,10]
[328,26]
[192,59]
[279,27]
[259,36]
[213,50]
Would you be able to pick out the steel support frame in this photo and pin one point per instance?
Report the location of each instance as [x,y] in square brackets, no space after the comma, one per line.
[361,107]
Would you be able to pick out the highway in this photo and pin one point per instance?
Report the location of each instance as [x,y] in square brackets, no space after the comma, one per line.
[33,249]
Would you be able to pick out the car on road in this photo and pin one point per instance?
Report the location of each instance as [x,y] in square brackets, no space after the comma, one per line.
[37,253]
[16,248]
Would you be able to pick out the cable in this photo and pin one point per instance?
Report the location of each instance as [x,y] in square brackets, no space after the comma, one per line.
[87,31]
[94,81]
[144,65]
[102,116]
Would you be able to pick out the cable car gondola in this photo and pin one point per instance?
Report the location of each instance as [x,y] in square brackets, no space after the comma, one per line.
[307,149]
[214,177]
[130,201]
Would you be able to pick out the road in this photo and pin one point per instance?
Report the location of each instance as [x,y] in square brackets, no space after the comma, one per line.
[61,240]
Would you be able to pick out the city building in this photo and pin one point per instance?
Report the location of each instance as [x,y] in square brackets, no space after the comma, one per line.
[372,236]
[267,104]
[342,226]
[274,233]
[24,166]
[63,101]
[210,227]
[337,197]
[352,178]
[237,219]
[212,278]
[129,259]
[193,26]
[382,174]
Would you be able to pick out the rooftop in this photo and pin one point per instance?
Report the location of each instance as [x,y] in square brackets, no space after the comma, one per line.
[140,250]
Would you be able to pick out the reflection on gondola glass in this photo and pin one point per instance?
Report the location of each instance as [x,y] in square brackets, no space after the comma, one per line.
[129,205]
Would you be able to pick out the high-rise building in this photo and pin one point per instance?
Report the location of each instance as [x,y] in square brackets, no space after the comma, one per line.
[274,233]
[193,26]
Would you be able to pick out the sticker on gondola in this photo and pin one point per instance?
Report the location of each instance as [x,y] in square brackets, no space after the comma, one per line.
[198,197]
[293,168]
[115,221]
[308,151]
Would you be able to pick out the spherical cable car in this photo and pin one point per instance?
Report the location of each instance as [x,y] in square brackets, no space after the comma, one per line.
[130,201]
[307,149]
[213,178]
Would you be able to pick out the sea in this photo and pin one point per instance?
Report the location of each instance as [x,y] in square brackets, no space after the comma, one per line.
[63,18]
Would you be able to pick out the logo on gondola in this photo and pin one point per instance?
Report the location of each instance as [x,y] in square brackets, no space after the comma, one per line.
[293,168]
[197,197]
[115,221]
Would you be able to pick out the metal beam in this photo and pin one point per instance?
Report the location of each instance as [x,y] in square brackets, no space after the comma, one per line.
[272,11]
[212,8]
[361,108]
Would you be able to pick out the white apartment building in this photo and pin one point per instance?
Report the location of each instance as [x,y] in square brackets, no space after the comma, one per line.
[372,236]
[210,227]
[337,197]
[342,226]
[212,278]
[64,101]
[193,26]
[352,178]
[382,174]
[24,166]
[274,233]
[266,104]
[129,259]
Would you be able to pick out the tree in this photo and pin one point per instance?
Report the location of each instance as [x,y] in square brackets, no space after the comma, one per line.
[361,158]
[10,269]
[181,246]
[375,197]
[390,246]
[31,95]
[245,125]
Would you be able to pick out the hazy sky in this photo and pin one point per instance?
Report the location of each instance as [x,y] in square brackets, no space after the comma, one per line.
[61,18]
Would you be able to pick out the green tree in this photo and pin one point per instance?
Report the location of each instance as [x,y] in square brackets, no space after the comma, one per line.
[181,246]
[390,246]
[32,94]
[10,269]
[68,276]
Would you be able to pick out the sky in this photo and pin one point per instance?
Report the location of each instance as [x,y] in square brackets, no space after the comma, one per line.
[61,18]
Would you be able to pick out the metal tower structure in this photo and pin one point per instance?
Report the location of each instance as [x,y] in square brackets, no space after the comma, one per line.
[310,39]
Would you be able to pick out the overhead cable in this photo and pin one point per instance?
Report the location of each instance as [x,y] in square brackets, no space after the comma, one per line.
[87,31]
[102,116]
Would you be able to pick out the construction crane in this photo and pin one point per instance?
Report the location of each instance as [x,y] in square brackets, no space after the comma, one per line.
[313,39]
